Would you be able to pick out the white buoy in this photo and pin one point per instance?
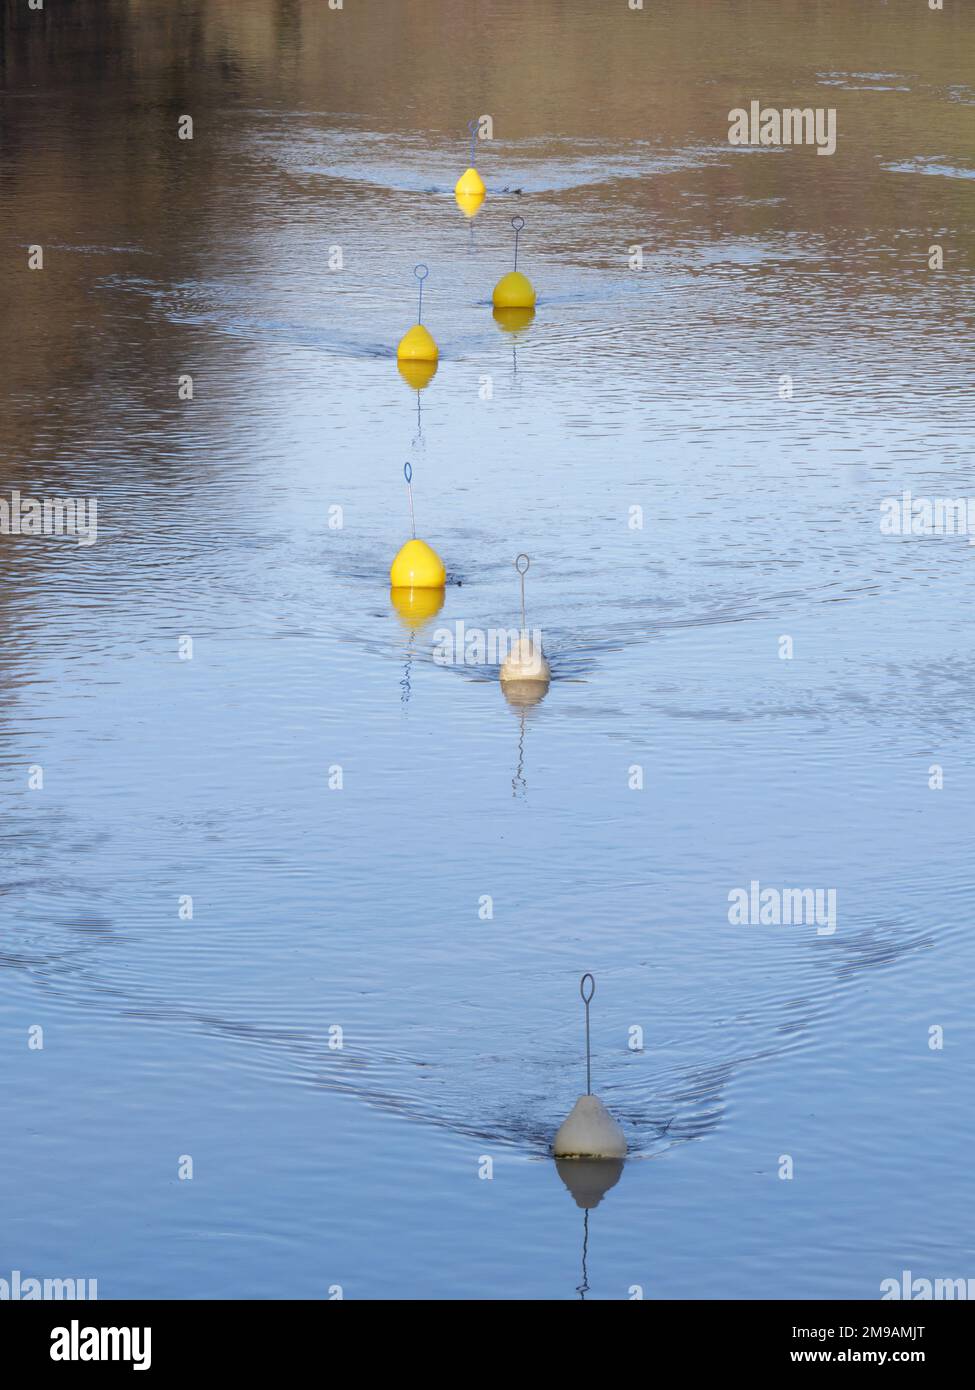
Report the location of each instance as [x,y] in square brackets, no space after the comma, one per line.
[525,664]
[589,1130]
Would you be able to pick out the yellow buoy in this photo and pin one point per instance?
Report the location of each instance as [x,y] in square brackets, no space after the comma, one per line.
[469,184]
[514,291]
[469,203]
[417,566]
[417,346]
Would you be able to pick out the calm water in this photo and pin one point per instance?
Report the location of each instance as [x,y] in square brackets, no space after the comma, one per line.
[361,908]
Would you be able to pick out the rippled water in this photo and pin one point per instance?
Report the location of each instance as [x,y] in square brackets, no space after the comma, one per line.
[361,908]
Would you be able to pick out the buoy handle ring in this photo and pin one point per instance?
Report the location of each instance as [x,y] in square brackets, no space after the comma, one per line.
[408,472]
[582,988]
[421,278]
[517,222]
[518,564]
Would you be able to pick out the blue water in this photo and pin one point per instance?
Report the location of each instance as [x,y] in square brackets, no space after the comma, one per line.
[317,1167]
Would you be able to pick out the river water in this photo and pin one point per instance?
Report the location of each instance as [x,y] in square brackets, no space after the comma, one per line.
[374,1004]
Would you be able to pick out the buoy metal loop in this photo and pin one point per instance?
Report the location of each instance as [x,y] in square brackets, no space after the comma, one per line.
[408,475]
[421,278]
[522,570]
[517,222]
[586,998]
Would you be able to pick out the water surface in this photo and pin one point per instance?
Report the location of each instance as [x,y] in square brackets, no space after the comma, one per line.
[362,908]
